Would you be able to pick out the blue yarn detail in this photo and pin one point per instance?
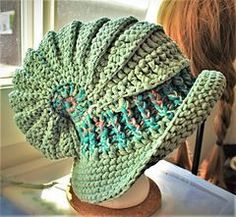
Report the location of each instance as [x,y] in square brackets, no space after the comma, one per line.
[104,137]
[120,136]
[148,112]
[91,134]
[129,126]
[145,113]
[67,101]
[84,138]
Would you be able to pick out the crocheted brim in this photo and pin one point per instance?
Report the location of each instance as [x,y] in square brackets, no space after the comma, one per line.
[105,178]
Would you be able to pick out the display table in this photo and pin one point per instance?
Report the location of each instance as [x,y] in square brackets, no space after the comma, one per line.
[185,194]
[182,194]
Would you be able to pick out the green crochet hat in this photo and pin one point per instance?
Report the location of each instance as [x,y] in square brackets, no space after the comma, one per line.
[116,95]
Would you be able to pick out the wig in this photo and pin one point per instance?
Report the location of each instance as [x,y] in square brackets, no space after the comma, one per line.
[206,33]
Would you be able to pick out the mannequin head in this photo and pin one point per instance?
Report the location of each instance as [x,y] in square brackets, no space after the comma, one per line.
[134,196]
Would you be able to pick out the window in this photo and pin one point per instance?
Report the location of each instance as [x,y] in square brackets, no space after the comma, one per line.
[65,11]
[10,37]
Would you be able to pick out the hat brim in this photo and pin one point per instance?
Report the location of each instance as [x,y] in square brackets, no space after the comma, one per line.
[95,181]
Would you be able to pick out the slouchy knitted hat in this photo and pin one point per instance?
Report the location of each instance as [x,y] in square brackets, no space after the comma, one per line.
[116,95]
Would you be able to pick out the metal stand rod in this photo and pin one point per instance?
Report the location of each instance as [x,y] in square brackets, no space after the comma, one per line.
[197,149]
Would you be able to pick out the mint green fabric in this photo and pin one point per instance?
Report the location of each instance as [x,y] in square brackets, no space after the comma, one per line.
[116,95]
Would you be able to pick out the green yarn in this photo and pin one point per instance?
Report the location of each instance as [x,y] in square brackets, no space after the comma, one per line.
[137,114]
[116,95]
[105,178]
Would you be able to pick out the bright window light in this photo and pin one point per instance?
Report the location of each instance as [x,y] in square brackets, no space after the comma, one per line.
[57,194]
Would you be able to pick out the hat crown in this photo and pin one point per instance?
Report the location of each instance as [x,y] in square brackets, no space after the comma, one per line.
[91,67]
[112,58]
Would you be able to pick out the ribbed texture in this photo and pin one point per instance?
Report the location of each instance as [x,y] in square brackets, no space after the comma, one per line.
[116,95]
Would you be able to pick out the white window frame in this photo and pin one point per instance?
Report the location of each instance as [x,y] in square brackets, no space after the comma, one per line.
[37,18]
[32,29]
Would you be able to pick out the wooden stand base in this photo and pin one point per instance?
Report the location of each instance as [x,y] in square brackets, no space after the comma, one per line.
[145,209]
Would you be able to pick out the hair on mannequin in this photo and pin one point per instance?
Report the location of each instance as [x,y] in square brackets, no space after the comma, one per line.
[205,32]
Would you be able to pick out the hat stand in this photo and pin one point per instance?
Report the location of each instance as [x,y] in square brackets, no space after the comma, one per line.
[198,147]
[145,209]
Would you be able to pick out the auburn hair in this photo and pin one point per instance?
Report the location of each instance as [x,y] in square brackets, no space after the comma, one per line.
[205,31]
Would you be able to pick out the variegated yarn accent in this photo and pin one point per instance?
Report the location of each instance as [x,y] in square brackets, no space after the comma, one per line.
[116,95]
[109,132]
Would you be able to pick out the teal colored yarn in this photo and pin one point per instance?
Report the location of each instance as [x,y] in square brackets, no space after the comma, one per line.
[64,102]
[148,113]
[116,95]
[104,61]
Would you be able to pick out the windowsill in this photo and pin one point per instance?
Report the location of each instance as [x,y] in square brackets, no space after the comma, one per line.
[179,188]
[6,72]
[40,168]
[5,83]
[28,201]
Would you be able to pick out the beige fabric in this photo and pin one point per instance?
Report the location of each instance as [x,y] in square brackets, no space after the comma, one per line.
[131,197]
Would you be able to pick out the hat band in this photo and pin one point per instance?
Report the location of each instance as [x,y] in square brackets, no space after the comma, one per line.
[110,132]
